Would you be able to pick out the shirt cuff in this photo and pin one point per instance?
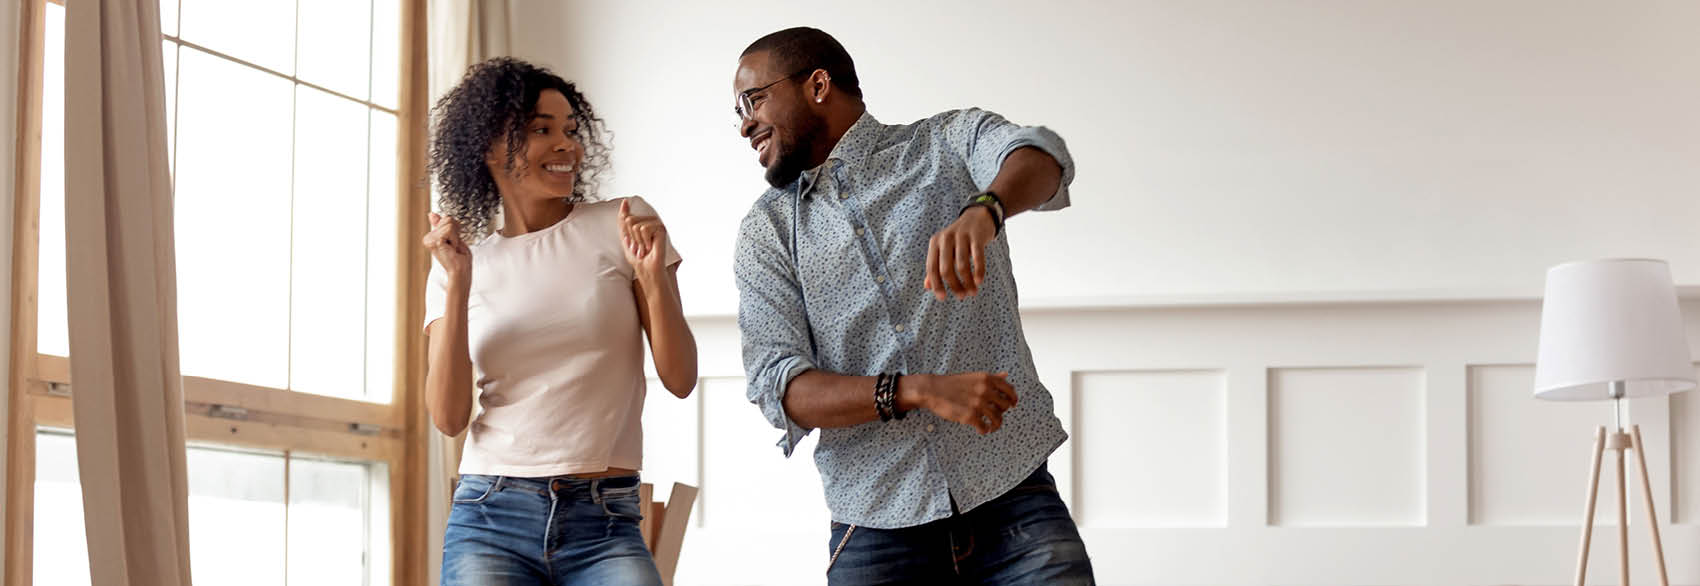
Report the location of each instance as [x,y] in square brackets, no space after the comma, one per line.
[788,369]
[1043,139]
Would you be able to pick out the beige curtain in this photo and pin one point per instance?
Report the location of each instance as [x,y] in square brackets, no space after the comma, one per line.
[462,32]
[122,284]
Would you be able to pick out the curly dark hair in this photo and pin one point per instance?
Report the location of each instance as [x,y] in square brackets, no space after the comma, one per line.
[499,97]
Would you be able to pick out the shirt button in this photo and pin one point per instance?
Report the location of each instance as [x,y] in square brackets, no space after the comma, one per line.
[843,196]
[899,327]
[929,428]
[859,231]
[881,279]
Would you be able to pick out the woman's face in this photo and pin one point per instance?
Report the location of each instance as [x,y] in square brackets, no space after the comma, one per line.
[547,164]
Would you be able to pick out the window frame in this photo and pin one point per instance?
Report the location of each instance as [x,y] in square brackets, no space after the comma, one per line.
[223,412]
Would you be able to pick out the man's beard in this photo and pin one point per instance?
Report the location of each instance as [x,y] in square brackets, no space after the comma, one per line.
[788,164]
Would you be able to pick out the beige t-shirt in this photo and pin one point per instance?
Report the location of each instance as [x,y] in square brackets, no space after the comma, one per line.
[557,350]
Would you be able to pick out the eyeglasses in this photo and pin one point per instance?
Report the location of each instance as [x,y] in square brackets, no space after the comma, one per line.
[746,105]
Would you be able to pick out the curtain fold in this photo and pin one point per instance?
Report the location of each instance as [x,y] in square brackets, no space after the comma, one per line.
[462,32]
[122,292]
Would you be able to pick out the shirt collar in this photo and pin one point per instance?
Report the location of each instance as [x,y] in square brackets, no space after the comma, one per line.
[857,141]
[852,147]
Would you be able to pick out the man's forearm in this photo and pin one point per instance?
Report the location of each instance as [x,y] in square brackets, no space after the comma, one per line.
[817,399]
[1028,178]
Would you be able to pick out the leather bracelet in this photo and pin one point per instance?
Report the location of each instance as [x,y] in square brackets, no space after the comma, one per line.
[989,200]
[882,400]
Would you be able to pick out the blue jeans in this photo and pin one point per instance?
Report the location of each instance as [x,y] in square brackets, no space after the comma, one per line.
[1024,537]
[555,531]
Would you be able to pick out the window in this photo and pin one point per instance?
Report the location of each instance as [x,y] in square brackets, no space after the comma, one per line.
[284,123]
[283,142]
[61,552]
[255,517]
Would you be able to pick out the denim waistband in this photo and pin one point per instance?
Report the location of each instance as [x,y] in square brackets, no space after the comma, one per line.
[569,487]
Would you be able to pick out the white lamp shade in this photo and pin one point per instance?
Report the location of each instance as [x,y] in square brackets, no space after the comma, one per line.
[1611,320]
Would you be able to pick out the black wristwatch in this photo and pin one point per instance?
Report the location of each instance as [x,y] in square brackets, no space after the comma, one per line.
[992,203]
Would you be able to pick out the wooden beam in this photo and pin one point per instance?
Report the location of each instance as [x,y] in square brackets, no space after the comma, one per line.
[284,438]
[408,484]
[289,403]
[26,223]
[53,369]
[257,399]
[202,426]
[671,537]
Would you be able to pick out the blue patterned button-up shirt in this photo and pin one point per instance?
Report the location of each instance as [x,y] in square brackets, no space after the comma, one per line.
[830,276]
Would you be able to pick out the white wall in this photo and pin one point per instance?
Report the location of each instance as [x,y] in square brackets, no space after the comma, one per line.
[1328,444]
[1225,148]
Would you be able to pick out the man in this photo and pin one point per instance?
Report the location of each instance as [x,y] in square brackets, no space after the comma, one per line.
[877,305]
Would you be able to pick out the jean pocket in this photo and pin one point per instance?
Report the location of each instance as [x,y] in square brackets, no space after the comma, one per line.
[475,488]
[622,507]
[1036,489]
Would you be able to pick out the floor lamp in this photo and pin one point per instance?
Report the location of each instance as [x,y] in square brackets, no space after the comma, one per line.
[1612,330]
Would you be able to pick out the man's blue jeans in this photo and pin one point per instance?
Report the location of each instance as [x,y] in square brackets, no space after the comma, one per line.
[1024,537]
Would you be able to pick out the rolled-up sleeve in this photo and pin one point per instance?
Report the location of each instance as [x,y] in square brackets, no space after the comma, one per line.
[772,321]
[985,139]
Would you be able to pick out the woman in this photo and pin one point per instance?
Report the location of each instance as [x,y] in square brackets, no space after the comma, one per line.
[543,311]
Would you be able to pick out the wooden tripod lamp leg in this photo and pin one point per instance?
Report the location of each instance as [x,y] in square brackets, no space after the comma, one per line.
[1618,442]
[1647,496]
[1588,516]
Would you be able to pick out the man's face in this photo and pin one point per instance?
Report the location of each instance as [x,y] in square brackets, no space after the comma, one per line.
[782,127]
